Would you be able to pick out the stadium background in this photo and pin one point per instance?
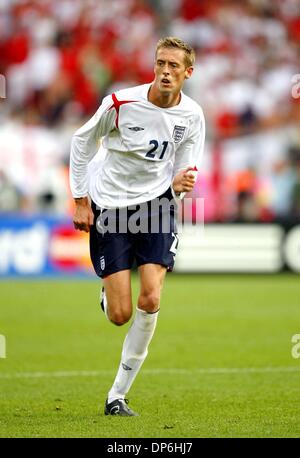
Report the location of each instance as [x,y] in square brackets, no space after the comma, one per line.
[59,58]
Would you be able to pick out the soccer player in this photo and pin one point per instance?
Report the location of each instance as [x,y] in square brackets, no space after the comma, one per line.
[152,140]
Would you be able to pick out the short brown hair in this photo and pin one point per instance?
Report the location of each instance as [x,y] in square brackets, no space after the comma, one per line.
[177,43]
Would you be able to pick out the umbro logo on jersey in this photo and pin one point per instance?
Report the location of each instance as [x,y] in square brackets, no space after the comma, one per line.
[136,128]
[178,133]
[126,368]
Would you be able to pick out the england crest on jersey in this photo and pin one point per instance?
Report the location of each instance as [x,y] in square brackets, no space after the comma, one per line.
[178,133]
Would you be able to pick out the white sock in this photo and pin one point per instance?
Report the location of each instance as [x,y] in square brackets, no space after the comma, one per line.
[104,298]
[135,350]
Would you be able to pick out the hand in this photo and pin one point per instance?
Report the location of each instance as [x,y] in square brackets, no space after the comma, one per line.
[83,216]
[185,181]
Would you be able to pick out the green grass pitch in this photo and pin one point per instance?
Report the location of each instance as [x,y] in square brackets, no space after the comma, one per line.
[219,365]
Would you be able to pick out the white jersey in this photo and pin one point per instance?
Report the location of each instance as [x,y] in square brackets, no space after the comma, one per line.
[142,149]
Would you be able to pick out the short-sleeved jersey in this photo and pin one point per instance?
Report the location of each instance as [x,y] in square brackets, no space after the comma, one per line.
[143,147]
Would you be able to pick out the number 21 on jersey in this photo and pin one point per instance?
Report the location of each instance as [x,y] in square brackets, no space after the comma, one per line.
[155,146]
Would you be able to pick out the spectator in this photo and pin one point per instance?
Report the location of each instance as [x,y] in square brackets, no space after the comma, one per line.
[283,184]
[60,57]
[10,197]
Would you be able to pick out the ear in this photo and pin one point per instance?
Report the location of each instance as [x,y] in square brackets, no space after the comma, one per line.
[188,72]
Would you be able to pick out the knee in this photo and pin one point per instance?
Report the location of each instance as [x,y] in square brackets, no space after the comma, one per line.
[149,302]
[119,317]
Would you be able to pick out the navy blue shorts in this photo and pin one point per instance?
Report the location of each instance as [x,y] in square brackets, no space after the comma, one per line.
[137,235]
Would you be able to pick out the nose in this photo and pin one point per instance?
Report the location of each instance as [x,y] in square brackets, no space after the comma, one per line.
[166,70]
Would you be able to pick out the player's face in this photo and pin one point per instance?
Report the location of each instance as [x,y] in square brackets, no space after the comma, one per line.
[170,70]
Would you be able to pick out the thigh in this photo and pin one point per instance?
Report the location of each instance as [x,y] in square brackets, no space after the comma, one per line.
[110,252]
[118,293]
[160,248]
[159,244]
[151,283]
[151,277]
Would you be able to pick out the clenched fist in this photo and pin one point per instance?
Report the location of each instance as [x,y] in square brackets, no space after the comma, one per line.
[185,181]
[83,215]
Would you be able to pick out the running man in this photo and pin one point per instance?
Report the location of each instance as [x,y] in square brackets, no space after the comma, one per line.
[152,139]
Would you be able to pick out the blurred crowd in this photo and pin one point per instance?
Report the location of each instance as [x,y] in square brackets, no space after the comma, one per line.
[61,57]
